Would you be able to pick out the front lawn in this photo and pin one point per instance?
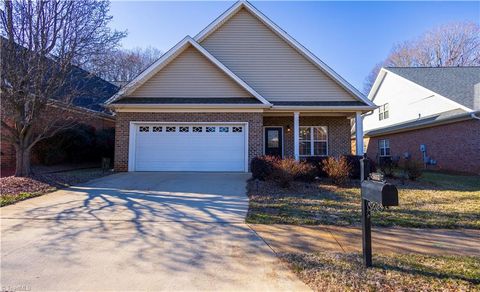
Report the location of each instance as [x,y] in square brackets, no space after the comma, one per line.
[345,272]
[14,189]
[434,201]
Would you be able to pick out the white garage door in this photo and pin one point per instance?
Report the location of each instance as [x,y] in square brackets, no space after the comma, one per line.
[189,147]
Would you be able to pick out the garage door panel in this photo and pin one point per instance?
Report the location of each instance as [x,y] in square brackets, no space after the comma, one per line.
[194,149]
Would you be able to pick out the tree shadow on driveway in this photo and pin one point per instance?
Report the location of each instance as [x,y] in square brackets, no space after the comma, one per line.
[171,225]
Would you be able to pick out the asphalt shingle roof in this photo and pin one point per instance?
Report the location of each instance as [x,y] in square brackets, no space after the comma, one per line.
[455,83]
[185,100]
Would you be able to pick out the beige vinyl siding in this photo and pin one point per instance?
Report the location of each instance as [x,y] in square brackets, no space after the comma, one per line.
[268,64]
[190,75]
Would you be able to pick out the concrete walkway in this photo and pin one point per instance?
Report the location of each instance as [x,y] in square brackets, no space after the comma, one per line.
[290,238]
[140,231]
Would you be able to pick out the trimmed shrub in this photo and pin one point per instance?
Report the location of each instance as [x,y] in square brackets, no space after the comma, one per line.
[413,169]
[387,166]
[337,169]
[262,167]
[354,162]
[81,143]
[282,171]
[317,163]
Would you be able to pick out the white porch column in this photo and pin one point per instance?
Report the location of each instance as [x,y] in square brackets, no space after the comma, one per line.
[359,133]
[296,135]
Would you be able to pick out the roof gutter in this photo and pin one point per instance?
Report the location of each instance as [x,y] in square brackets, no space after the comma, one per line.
[324,108]
[457,118]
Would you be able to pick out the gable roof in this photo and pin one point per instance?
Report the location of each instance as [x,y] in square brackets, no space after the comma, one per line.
[454,83]
[288,39]
[170,56]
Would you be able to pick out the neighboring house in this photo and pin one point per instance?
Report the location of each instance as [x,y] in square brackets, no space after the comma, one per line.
[88,108]
[430,113]
[240,88]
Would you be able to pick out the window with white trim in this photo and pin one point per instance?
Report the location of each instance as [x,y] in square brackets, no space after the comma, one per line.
[384,147]
[383,112]
[313,141]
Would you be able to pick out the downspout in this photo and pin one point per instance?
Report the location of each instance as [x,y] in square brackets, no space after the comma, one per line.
[474,116]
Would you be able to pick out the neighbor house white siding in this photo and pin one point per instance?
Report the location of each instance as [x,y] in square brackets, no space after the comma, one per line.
[268,64]
[407,101]
[190,75]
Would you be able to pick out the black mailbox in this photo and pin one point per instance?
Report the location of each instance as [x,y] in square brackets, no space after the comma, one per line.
[380,192]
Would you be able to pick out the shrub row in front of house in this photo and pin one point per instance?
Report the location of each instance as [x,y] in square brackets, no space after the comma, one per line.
[284,171]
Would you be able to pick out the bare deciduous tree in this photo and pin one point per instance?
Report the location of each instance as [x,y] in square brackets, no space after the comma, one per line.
[123,65]
[43,41]
[449,45]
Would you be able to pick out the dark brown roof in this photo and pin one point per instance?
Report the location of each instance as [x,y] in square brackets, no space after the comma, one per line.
[185,100]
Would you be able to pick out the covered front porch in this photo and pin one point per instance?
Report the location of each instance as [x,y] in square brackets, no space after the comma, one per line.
[305,134]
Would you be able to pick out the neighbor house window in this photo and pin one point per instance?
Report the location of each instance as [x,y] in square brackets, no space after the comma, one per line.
[384,146]
[383,112]
[313,141]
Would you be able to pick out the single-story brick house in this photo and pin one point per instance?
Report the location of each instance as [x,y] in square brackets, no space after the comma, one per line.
[431,114]
[240,88]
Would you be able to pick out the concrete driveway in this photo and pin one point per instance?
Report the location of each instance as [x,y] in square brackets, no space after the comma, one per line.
[140,231]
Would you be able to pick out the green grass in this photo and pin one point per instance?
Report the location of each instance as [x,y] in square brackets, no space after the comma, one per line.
[434,201]
[412,272]
[13,198]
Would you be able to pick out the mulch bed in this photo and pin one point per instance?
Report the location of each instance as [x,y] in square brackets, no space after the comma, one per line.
[15,185]
[14,189]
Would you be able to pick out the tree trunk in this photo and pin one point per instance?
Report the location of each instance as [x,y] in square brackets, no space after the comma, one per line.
[23,167]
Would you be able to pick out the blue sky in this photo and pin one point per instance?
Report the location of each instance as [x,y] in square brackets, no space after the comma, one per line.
[351,37]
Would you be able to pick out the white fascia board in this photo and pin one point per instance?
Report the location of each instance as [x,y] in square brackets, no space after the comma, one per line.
[323,108]
[448,100]
[170,56]
[376,85]
[286,37]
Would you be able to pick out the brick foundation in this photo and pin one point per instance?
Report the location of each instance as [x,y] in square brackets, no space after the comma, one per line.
[455,147]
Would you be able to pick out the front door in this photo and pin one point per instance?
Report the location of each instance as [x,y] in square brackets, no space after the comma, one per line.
[273,141]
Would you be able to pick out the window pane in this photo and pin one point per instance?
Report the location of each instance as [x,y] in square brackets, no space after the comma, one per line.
[319,148]
[304,133]
[319,133]
[272,139]
[387,151]
[305,149]
[385,115]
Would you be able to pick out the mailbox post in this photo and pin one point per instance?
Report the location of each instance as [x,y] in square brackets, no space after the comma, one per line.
[374,190]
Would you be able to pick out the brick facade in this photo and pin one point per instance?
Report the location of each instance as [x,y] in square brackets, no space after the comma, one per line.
[96,120]
[255,130]
[455,146]
[338,132]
